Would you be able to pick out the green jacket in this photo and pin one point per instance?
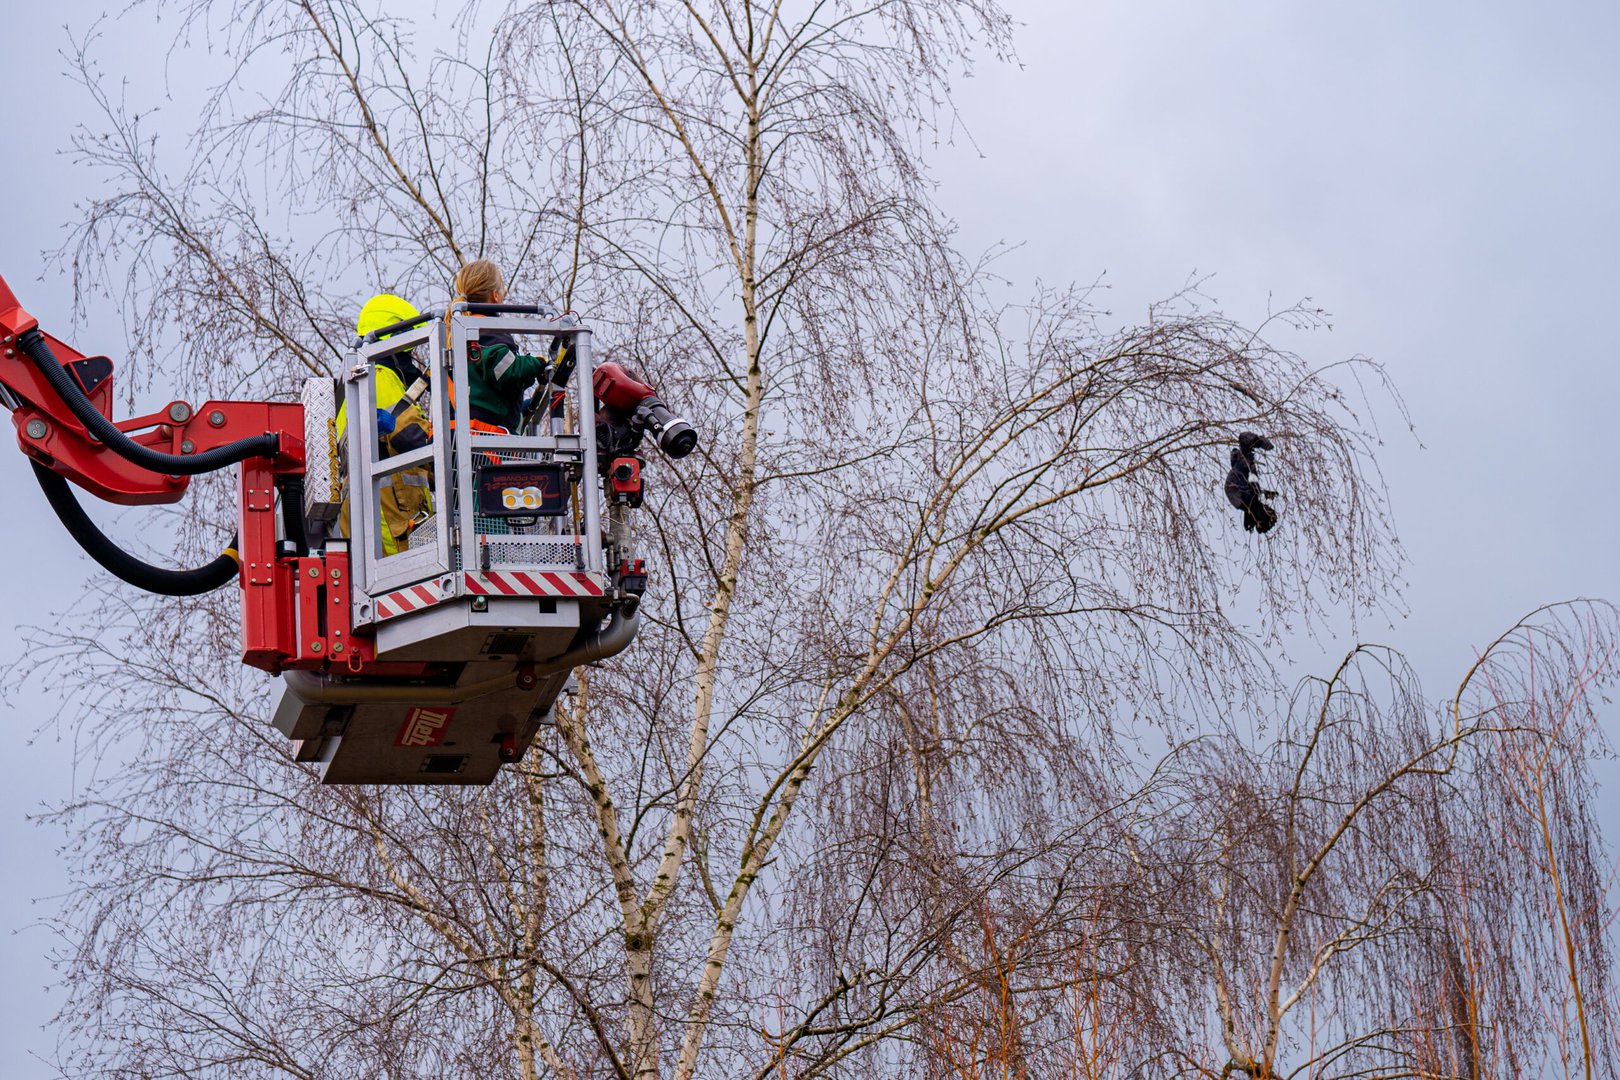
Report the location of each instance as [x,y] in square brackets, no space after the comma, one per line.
[498,375]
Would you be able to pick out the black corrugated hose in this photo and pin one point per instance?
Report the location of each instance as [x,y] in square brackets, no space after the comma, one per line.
[120,563]
[35,347]
[59,493]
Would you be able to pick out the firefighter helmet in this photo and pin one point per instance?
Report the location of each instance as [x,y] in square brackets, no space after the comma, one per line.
[384,309]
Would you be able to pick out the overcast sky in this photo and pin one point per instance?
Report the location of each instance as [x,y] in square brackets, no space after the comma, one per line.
[1441,176]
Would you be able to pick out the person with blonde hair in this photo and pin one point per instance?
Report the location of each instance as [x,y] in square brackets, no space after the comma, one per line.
[497,372]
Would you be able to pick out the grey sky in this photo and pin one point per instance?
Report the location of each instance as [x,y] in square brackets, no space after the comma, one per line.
[1440,176]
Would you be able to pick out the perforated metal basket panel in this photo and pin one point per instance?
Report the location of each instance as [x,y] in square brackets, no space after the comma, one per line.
[556,553]
[533,550]
[425,535]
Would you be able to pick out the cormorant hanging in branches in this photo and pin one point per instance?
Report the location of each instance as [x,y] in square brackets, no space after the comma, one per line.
[1242,489]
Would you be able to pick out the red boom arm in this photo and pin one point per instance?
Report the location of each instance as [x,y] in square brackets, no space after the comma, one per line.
[50,434]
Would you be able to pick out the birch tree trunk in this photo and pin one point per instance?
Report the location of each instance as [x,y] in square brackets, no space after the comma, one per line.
[873,783]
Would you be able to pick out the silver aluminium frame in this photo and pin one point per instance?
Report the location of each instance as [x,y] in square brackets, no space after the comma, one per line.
[458,545]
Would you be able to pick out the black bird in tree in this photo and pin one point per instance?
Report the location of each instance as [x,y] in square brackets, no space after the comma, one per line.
[1242,489]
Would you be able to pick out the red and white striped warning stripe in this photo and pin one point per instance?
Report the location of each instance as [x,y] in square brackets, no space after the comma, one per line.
[531,583]
[409,599]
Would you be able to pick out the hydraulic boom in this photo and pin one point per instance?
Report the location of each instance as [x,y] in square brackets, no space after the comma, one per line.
[431,658]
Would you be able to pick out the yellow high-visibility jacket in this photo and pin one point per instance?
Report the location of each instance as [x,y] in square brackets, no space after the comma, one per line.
[406,498]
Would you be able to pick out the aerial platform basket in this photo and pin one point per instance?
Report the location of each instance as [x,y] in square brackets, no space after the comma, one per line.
[459,639]
[423,598]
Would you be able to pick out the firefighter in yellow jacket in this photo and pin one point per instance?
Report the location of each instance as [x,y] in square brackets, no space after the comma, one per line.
[406,497]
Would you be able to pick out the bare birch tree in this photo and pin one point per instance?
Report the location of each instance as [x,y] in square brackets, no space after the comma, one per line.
[944,562]
[1378,898]
[1385,889]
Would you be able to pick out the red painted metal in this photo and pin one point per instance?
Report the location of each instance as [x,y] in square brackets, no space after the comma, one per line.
[282,617]
[618,389]
[68,449]
[343,646]
[309,577]
[13,319]
[268,614]
[625,477]
[323,635]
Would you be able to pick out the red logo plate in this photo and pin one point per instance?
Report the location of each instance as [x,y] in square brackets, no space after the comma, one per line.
[424,727]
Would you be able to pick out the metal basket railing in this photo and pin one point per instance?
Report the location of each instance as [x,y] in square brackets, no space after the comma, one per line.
[457,535]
